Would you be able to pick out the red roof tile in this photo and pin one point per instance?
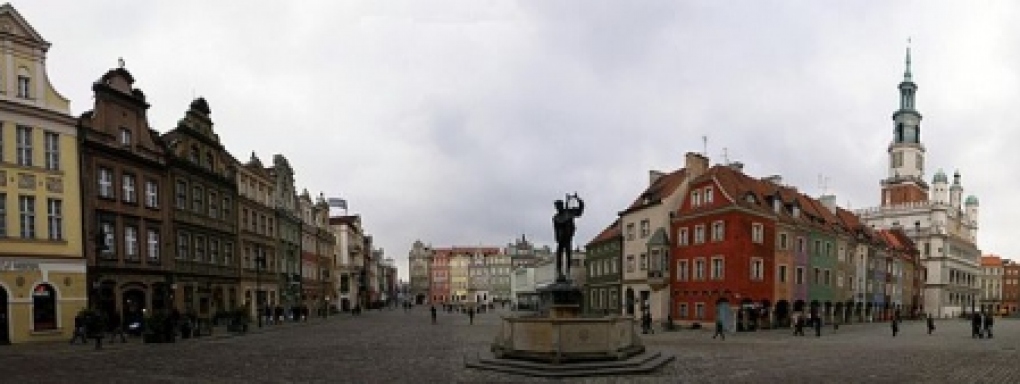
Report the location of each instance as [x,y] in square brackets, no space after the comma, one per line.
[613,230]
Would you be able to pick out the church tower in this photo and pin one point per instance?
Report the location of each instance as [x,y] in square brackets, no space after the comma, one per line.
[905,183]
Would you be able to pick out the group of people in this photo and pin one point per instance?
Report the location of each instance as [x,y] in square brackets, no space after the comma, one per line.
[92,325]
[981,325]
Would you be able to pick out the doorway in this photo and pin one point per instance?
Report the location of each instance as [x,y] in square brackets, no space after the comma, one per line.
[5,331]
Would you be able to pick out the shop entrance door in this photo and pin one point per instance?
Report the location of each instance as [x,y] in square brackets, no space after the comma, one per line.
[5,326]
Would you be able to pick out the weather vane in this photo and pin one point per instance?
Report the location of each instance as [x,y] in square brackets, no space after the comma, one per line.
[120,62]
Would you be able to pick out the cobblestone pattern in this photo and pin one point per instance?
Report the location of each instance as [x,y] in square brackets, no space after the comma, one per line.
[403,347]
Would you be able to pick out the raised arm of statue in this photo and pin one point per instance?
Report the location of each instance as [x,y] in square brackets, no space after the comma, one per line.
[579,209]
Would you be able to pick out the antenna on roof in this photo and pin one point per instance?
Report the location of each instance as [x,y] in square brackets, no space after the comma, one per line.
[704,143]
[725,156]
[823,183]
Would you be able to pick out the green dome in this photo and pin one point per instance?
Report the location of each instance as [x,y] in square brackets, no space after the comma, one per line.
[972,200]
[940,177]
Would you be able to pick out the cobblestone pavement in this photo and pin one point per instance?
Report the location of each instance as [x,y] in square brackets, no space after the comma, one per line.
[394,346]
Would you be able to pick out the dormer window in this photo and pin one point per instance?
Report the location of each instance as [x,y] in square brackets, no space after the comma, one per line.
[795,211]
[750,198]
[695,199]
[193,154]
[125,136]
[24,84]
[708,195]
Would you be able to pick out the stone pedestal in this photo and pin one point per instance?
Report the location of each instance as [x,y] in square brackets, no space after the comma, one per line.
[561,300]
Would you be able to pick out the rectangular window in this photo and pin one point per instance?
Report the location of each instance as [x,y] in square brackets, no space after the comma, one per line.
[199,248]
[214,212]
[109,232]
[214,251]
[2,137]
[228,253]
[681,270]
[131,243]
[26,205]
[801,245]
[699,234]
[183,245]
[799,279]
[3,214]
[24,87]
[127,185]
[54,218]
[645,228]
[708,195]
[683,310]
[699,311]
[153,245]
[630,263]
[699,268]
[718,231]
[644,262]
[106,183]
[226,208]
[181,194]
[244,218]
[151,194]
[828,248]
[695,199]
[717,268]
[51,144]
[781,273]
[23,139]
[757,233]
[818,248]
[682,236]
[757,269]
[630,231]
[828,277]
[125,136]
[197,196]
[818,276]
[784,241]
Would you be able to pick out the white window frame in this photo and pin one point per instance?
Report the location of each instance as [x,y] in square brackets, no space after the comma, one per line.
[708,195]
[109,229]
[681,270]
[757,233]
[105,182]
[183,246]
[695,199]
[699,311]
[152,239]
[799,277]
[131,243]
[699,269]
[782,273]
[699,234]
[757,269]
[682,310]
[23,145]
[26,214]
[718,268]
[127,185]
[151,193]
[51,145]
[54,218]
[682,239]
[125,137]
[718,230]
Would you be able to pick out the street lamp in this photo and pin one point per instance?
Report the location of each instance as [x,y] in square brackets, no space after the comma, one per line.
[260,258]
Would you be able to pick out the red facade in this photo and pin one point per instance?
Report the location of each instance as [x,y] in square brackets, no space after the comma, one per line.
[716,225]
[439,281]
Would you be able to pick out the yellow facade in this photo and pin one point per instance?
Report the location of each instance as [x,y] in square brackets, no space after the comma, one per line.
[40,203]
[459,277]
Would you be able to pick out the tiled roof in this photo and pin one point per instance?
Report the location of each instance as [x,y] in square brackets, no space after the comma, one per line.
[612,231]
[991,261]
[662,187]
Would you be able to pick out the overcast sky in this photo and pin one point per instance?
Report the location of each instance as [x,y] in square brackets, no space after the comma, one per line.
[459,122]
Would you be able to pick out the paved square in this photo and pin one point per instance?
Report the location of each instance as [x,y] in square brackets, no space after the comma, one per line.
[394,346]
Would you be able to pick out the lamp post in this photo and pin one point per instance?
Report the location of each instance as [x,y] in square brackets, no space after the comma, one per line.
[260,257]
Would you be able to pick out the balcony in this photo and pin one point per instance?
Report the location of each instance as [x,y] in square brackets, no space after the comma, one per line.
[658,278]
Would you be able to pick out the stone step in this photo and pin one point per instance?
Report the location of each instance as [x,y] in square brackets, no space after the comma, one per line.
[644,363]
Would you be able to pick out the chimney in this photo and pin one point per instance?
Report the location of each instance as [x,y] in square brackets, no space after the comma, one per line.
[774,179]
[738,166]
[654,176]
[829,201]
[696,164]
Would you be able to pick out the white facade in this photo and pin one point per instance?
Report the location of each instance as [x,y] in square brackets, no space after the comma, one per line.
[942,225]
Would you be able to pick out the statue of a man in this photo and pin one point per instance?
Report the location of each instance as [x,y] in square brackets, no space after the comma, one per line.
[563,225]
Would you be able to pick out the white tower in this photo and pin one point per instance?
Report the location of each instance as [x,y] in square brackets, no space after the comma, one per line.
[956,192]
[972,216]
[905,183]
[940,188]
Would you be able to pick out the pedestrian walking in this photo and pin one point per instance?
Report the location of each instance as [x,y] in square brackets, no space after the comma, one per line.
[931,324]
[975,326]
[719,329]
[94,327]
[989,321]
[433,310]
[895,324]
[471,315]
[798,325]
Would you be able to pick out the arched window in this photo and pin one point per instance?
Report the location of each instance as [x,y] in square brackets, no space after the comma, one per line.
[44,307]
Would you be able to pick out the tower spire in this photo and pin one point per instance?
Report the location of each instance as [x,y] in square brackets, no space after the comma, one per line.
[906,74]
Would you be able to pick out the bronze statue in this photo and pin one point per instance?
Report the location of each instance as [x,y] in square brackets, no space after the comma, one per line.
[563,225]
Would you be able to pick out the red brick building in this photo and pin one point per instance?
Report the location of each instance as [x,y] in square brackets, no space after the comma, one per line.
[1010,286]
[439,285]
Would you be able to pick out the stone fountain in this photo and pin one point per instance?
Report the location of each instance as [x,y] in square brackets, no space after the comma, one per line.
[560,342]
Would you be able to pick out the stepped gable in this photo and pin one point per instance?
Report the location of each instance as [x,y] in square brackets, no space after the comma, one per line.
[662,187]
[612,231]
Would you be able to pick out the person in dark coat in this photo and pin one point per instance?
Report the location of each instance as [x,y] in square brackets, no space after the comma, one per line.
[116,325]
[94,327]
[931,324]
[989,321]
[433,310]
[798,326]
[817,322]
[471,315]
[895,324]
[975,326]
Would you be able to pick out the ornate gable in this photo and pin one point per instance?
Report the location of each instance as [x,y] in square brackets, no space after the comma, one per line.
[13,25]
